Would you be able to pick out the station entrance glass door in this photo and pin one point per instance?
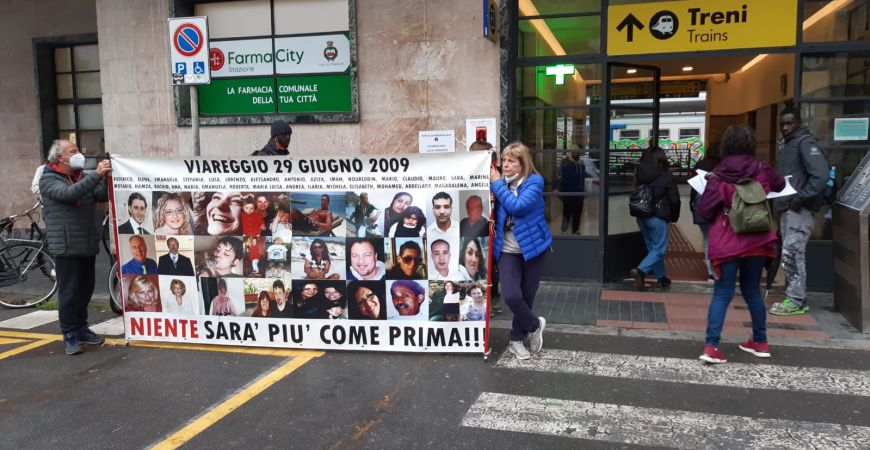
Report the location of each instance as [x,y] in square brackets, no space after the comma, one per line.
[632,106]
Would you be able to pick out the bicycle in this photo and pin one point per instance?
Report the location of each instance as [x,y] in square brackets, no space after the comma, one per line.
[28,275]
[114,280]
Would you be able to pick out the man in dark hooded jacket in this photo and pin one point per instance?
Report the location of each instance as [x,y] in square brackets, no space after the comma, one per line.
[279,142]
[799,157]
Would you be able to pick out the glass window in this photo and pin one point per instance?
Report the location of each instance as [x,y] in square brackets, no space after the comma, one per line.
[835,75]
[91,117]
[558,84]
[311,16]
[629,134]
[821,117]
[836,21]
[79,96]
[559,36]
[561,169]
[64,86]
[560,129]
[686,133]
[86,57]
[571,215]
[274,77]
[62,60]
[236,19]
[66,117]
[547,7]
[88,85]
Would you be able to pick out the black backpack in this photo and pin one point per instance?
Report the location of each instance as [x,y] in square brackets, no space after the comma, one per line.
[642,202]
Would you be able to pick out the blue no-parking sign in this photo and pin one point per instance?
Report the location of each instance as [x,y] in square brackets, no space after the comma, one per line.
[188,49]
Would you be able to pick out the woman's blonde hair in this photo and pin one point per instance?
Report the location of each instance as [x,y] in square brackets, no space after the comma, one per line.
[160,220]
[521,153]
[140,283]
[177,283]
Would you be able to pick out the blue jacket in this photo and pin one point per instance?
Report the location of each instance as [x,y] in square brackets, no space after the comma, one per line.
[527,209]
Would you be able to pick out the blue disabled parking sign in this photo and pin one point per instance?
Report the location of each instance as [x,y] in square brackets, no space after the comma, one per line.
[198,67]
[181,68]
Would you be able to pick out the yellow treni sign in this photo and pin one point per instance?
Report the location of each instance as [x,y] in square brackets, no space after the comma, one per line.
[695,25]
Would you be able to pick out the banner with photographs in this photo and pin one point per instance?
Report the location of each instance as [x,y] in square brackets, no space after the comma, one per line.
[366,253]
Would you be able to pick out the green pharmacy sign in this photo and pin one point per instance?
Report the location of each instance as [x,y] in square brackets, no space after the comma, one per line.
[296,75]
[304,94]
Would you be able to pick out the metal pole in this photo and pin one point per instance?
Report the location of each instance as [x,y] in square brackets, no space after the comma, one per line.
[194,118]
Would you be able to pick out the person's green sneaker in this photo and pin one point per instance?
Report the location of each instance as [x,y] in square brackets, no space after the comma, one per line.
[788,307]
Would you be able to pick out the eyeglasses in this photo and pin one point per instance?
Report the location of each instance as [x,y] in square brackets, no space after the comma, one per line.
[366,298]
[173,212]
[407,259]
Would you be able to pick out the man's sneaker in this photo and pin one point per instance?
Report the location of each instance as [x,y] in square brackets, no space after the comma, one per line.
[788,307]
[519,350]
[664,282]
[758,349]
[712,355]
[71,344]
[638,276]
[536,339]
[86,336]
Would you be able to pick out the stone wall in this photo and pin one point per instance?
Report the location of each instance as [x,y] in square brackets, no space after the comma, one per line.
[20,23]
[423,65]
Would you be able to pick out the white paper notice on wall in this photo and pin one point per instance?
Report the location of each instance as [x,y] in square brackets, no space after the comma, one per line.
[437,141]
[480,130]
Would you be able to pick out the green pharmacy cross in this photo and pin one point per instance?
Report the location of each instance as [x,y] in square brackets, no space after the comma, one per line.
[560,71]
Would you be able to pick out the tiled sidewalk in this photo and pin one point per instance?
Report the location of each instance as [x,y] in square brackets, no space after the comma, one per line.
[688,312]
[682,308]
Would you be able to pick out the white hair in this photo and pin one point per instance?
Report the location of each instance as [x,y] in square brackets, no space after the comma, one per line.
[56,150]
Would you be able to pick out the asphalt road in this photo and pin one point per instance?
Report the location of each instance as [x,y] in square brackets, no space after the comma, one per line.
[583,391]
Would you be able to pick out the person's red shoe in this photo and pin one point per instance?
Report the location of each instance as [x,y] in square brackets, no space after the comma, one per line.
[712,355]
[758,349]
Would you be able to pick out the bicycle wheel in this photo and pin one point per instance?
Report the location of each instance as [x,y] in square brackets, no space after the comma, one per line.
[115,289]
[28,276]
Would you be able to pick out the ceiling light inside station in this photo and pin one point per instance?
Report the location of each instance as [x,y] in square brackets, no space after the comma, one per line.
[688,69]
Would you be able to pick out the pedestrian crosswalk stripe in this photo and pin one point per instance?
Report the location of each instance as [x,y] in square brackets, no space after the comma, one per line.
[693,371]
[654,426]
[111,327]
[30,320]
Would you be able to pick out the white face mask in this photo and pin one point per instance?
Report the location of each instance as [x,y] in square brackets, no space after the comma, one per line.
[77,161]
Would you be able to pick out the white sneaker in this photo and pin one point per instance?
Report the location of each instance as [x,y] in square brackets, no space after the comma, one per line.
[519,350]
[536,339]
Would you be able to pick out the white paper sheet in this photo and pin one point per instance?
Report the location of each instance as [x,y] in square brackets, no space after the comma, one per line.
[699,183]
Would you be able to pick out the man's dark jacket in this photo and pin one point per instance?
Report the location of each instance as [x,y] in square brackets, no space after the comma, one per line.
[69,211]
[800,157]
[270,149]
[165,267]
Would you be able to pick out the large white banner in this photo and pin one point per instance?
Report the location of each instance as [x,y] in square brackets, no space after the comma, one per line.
[367,253]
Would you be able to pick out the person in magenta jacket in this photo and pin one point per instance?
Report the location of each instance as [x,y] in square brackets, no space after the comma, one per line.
[522,239]
[731,253]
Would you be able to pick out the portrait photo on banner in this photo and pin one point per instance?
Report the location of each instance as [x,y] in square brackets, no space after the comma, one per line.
[406,258]
[133,212]
[318,258]
[268,297]
[321,299]
[318,214]
[453,301]
[223,296]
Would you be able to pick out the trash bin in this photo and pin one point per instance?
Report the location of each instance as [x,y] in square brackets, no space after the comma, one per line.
[851,245]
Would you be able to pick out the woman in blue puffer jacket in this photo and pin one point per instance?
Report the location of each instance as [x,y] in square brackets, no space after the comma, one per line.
[522,239]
